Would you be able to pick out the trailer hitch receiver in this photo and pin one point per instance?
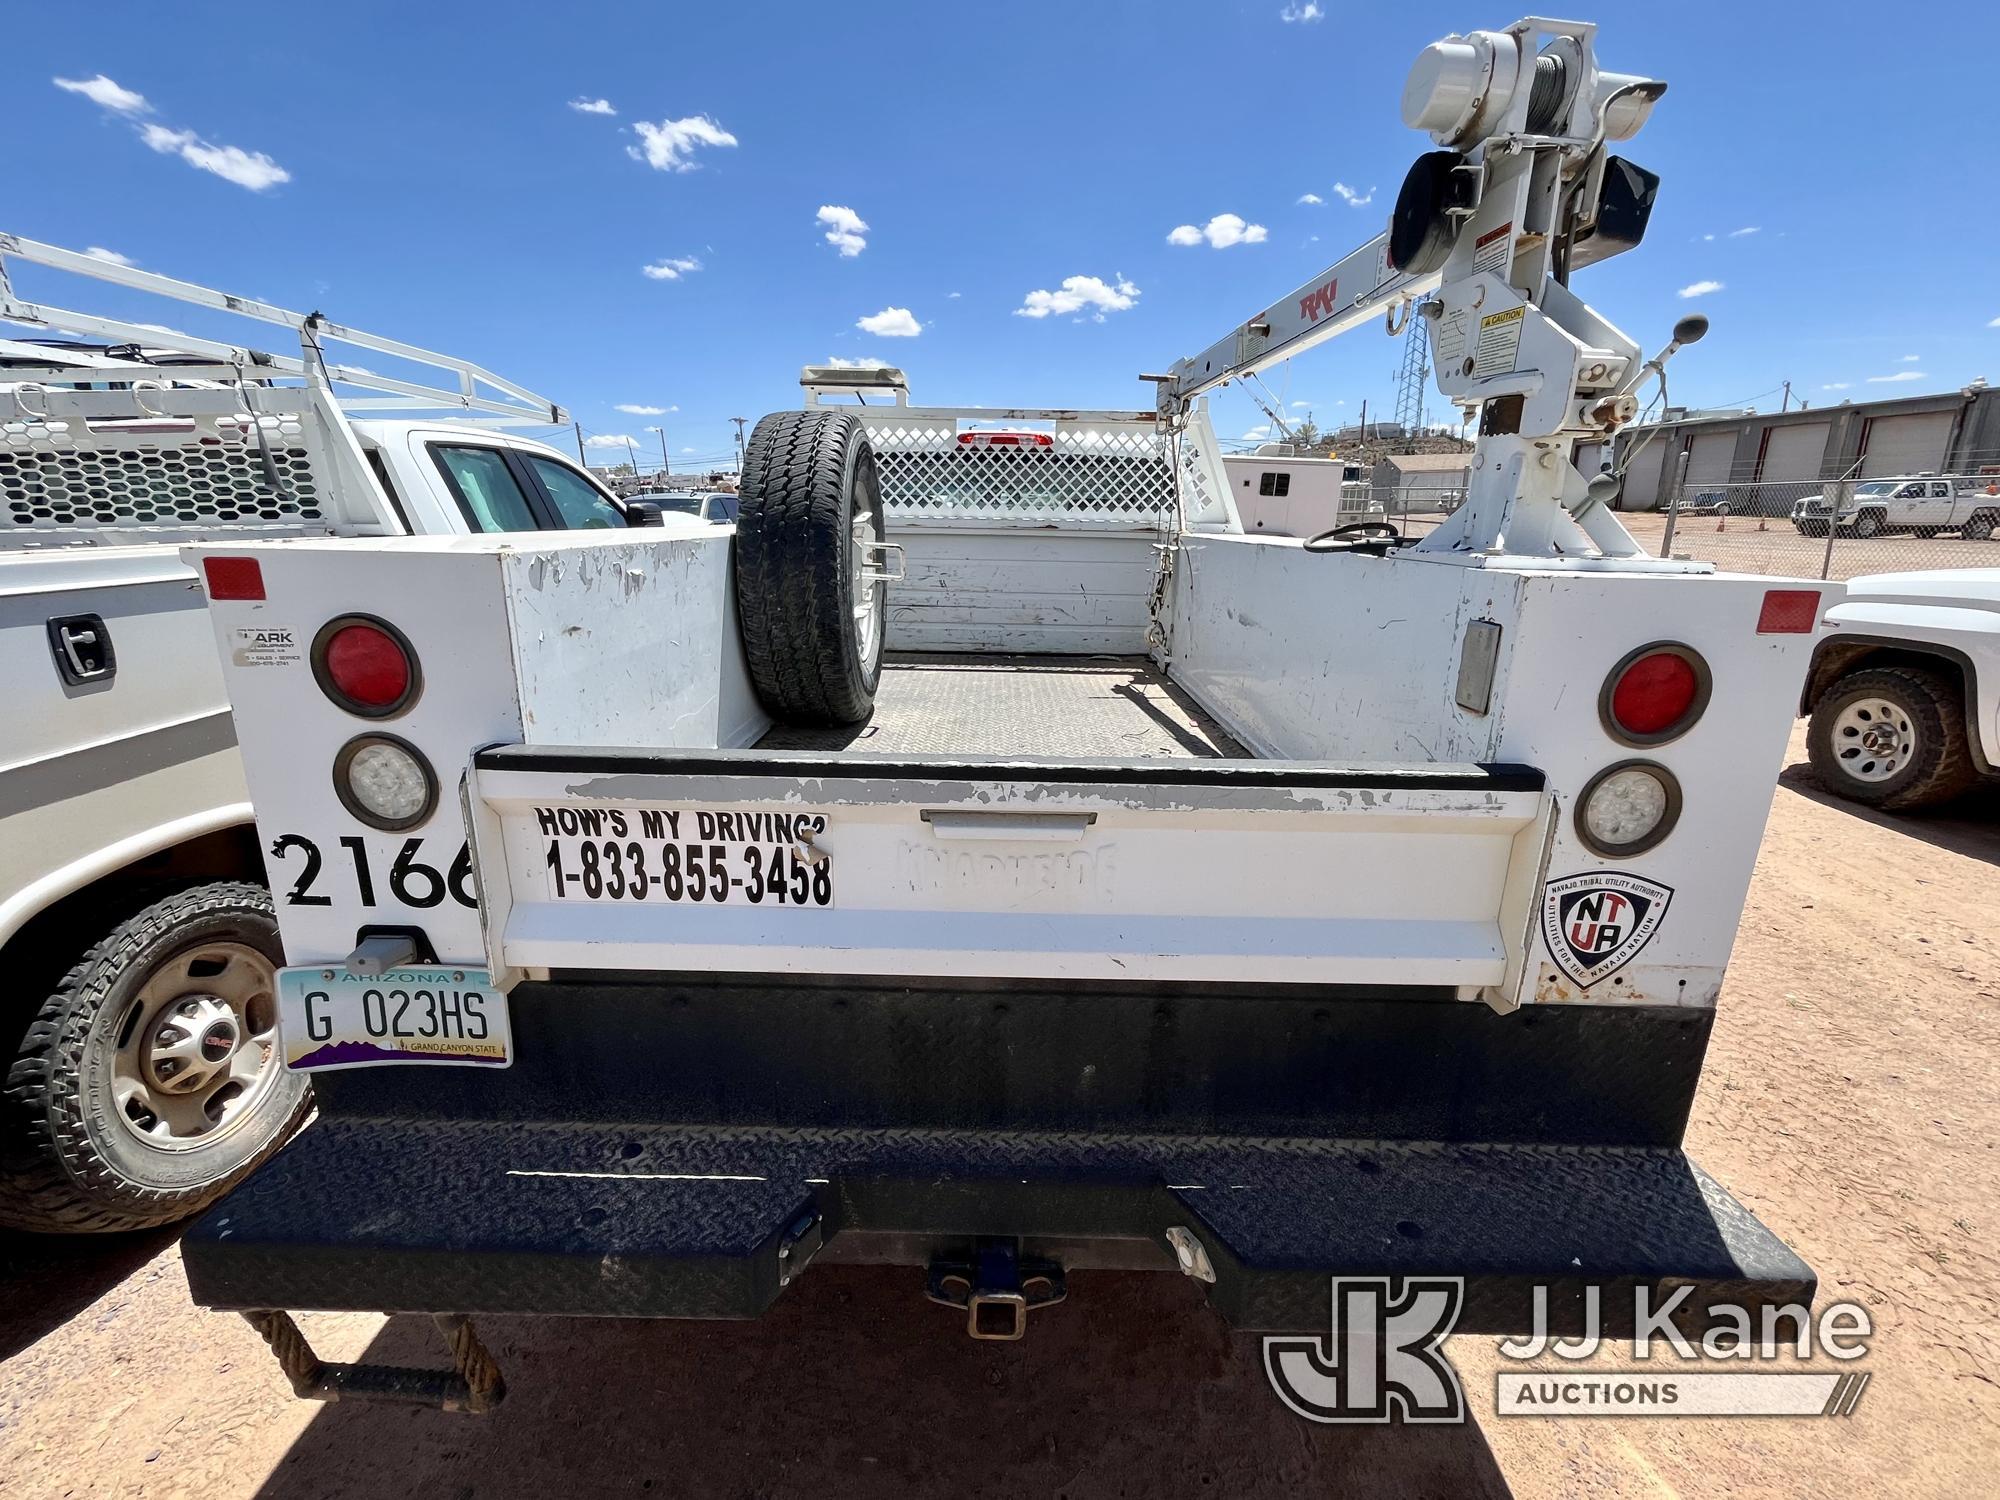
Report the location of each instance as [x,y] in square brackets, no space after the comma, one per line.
[997,1287]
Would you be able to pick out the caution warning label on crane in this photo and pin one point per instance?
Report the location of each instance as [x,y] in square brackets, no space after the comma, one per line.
[1499,341]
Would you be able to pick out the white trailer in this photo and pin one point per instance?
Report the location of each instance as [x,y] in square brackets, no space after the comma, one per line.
[139,1037]
[1278,493]
[996,861]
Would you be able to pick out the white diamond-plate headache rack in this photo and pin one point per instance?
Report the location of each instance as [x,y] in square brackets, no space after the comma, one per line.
[66,476]
[1113,471]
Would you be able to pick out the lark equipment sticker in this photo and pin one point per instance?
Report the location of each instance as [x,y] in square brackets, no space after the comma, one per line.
[1597,922]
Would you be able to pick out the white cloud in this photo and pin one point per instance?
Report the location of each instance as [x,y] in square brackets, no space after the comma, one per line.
[610,440]
[1737,234]
[1898,377]
[687,450]
[1993,322]
[1310,198]
[1309,11]
[846,230]
[954,296]
[1353,197]
[98,252]
[670,145]
[891,323]
[633,409]
[1700,288]
[1910,359]
[673,268]
[1837,385]
[1261,430]
[592,106]
[864,362]
[1306,405]
[102,92]
[248,169]
[1222,231]
[1077,293]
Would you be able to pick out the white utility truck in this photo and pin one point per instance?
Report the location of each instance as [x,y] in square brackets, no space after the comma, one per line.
[1923,504]
[137,1038]
[1904,690]
[991,860]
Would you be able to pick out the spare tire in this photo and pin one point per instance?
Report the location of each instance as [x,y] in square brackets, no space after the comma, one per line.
[811,604]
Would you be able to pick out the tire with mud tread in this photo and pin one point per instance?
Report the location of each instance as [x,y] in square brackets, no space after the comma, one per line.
[1867,524]
[1978,528]
[1930,735]
[812,623]
[80,1150]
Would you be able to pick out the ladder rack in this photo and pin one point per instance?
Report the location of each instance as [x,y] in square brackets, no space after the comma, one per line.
[498,401]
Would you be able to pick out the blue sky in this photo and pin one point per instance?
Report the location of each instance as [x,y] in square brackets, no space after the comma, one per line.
[424,172]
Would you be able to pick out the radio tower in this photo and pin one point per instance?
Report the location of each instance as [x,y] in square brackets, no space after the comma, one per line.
[1413,379]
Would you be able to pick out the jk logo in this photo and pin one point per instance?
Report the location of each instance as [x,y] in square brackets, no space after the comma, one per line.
[1383,1360]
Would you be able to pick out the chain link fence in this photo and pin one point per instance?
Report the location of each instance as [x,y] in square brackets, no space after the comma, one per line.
[1837,529]
[1803,528]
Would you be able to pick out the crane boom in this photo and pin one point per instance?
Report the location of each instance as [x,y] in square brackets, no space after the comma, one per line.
[1482,243]
[1345,295]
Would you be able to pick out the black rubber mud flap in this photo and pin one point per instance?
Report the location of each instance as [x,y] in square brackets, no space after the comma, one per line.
[810,507]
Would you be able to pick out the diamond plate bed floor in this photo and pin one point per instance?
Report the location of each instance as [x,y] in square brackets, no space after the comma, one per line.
[1024,705]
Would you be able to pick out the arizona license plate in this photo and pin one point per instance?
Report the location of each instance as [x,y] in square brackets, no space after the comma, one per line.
[686,857]
[329,1018]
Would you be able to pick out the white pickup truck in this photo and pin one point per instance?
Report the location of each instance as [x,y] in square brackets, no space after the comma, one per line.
[137,1038]
[1925,504]
[991,860]
[1904,691]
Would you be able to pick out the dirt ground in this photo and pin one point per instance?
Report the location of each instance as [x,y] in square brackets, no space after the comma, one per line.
[1738,545]
[1852,1098]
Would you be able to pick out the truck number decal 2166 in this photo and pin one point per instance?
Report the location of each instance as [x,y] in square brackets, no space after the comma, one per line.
[410,879]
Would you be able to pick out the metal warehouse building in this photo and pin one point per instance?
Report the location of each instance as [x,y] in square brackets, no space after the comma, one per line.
[1772,459]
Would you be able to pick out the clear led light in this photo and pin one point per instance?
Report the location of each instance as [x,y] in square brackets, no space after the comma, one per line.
[1625,807]
[389,782]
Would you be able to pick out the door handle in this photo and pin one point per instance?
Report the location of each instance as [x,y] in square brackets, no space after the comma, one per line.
[81,645]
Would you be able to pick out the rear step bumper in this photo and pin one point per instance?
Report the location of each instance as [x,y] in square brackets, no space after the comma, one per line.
[565,1219]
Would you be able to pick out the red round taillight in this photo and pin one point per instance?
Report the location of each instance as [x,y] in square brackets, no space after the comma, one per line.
[1655,694]
[366,666]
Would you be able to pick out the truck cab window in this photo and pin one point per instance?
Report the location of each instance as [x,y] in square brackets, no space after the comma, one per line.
[579,503]
[1274,484]
[487,491]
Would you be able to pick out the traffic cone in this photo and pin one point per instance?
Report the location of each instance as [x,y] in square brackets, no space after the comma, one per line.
[1760,524]
[1722,523]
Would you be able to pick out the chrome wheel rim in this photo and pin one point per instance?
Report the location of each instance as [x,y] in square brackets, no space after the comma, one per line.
[1873,739]
[197,1048]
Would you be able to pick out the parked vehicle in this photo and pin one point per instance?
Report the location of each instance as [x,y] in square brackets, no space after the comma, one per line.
[1364,913]
[139,1028]
[1926,504]
[1904,690]
[715,507]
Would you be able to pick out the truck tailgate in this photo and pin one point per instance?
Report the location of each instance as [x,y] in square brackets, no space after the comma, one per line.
[796,862]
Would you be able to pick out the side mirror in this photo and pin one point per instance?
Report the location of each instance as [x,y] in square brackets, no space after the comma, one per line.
[644,513]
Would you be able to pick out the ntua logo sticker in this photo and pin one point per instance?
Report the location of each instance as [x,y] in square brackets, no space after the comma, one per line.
[1596,923]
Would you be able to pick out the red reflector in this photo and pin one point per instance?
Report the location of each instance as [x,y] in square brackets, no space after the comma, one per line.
[367,666]
[1788,612]
[1654,693]
[233,577]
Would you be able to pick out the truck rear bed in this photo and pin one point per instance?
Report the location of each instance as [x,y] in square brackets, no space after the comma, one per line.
[1063,707]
